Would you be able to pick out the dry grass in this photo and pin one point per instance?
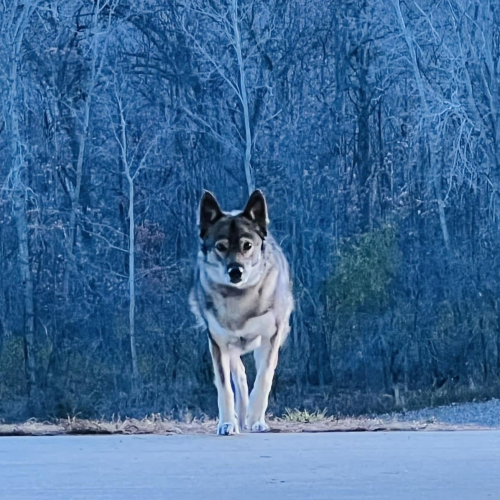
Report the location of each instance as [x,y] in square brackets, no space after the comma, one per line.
[293,421]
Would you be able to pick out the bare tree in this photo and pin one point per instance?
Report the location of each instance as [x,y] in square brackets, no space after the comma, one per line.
[215,32]
[15,22]
[242,94]
[373,129]
[132,167]
[98,32]
[427,125]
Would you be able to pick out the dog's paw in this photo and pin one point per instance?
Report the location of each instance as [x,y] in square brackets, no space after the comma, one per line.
[227,429]
[259,426]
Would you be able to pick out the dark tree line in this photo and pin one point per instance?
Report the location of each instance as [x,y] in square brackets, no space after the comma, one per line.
[373,127]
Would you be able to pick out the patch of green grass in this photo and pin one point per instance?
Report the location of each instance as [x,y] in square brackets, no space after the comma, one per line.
[302,416]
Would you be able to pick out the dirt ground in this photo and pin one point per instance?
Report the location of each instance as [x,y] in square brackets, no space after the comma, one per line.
[158,425]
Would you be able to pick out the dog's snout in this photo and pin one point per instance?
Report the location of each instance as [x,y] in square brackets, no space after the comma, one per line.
[235,272]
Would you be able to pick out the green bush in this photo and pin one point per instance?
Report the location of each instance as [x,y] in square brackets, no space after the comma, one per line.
[364,272]
[12,374]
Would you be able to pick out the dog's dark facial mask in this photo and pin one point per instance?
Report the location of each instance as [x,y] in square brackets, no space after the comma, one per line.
[232,243]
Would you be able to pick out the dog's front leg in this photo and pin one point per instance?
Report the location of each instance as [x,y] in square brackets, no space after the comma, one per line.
[266,359]
[225,397]
[240,388]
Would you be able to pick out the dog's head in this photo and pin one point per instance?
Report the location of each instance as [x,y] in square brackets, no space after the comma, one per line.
[233,242]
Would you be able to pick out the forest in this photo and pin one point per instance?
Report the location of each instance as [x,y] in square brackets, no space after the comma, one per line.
[372,127]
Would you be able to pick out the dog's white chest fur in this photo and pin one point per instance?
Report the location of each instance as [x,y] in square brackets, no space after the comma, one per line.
[246,338]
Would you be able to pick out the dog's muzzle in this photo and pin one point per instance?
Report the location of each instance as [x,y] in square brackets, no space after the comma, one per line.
[235,272]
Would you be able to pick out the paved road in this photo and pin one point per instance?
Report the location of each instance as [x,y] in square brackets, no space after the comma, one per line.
[334,466]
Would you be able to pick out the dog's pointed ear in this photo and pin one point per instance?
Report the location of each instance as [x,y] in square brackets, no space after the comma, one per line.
[256,210]
[210,212]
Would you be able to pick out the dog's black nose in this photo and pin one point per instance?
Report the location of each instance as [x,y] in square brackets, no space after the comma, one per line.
[235,271]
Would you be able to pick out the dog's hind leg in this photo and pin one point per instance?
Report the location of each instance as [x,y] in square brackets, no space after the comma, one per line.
[241,388]
[222,376]
[266,359]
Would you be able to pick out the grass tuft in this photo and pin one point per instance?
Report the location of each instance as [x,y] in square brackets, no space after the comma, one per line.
[303,416]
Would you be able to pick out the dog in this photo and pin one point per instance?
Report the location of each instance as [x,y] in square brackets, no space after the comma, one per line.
[242,294]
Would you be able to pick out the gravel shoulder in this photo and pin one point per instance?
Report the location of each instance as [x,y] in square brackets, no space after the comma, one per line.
[485,414]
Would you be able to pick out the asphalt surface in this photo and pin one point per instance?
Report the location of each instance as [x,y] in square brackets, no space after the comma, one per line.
[381,465]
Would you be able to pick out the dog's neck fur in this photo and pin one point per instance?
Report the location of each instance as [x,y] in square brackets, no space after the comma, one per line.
[233,306]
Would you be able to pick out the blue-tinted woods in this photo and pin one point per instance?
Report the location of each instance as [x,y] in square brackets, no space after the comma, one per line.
[373,127]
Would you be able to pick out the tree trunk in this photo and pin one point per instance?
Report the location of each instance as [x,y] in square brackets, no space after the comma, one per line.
[362,158]
[75,201]
[244,100]
[27,286]
[131,281]
[19,191]
[131,241]
[427,127]
[75,196]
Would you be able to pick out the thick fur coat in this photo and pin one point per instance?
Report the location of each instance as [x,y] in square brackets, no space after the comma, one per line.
[242,295]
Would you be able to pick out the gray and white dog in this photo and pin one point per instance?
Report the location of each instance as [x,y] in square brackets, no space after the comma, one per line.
[242,294]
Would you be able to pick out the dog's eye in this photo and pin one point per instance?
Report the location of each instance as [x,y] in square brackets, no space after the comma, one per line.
[221,247]
[246,246]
